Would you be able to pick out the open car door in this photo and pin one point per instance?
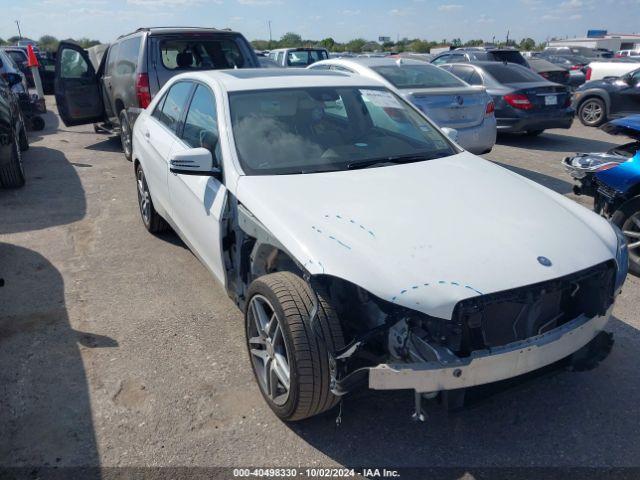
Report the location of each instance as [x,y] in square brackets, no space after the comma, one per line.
[77,87]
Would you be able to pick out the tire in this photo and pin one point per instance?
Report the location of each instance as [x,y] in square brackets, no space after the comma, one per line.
[290,299]
[37,123]
[627,217]
[125,134]
[152,221]
[12,174]
[592,112]
[533,133]
[23,140]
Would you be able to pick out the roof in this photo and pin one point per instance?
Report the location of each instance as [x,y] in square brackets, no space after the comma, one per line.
[274,78]
[176,30]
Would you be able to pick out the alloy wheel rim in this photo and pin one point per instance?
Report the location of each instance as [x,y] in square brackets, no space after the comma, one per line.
[143,197]
[268,350]
[631,231]
[592,112]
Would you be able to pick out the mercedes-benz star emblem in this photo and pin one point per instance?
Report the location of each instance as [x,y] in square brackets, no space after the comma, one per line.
[544,261]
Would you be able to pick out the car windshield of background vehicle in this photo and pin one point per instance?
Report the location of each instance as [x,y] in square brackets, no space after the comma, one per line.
[511,57]
[511,73]
[18,57]
[309,130]
[201,54]
[305,57]
[418,76]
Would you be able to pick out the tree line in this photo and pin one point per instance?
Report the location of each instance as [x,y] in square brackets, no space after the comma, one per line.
[50,43]
[358,45]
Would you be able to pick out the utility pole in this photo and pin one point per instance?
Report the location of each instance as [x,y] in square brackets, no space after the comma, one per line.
[269,22]
[508,37]
[19,32]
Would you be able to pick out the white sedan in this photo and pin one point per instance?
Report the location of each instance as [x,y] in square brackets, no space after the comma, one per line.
[362,244]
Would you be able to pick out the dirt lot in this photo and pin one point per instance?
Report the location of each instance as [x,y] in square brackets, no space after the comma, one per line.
[117,348]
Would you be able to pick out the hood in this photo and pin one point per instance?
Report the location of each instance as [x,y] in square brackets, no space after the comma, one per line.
[627,126]
[429,234]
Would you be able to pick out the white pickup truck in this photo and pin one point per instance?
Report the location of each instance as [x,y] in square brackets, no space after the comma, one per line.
[600,70]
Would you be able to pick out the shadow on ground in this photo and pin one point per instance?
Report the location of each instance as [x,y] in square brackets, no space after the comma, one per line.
[45,410]
[555,184]
[109,144]
[568,419]
[53,194]
[554,142]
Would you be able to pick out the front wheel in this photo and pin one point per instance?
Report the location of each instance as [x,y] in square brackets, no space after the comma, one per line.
[289,359]
[592,112]
[151,219]
[627,217]
[125,134]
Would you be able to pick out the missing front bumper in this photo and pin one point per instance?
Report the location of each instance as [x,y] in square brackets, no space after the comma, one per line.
[491,365]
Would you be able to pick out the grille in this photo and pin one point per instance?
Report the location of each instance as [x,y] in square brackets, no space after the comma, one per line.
[498,319]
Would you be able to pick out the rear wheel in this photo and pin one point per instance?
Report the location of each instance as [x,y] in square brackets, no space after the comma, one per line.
[12,174]
[152,221]
[533,133]
[125,134]
[627,217]
[592,112]
[289,360]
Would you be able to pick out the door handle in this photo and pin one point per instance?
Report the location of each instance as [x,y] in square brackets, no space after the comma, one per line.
[147,135]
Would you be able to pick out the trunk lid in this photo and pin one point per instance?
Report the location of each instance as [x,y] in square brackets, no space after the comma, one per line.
[543,95]
[451,107]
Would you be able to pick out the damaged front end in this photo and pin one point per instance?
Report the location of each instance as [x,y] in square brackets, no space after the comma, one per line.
[489,337]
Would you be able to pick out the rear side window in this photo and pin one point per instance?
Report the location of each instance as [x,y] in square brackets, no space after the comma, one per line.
[128,56]
[417,76]
[201,123]
[511,73]
[201,54]
[169,111]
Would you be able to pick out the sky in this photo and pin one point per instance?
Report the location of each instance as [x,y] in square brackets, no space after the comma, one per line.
[341,19]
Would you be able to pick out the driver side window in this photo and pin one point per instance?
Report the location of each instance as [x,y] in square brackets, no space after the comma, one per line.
[201,122]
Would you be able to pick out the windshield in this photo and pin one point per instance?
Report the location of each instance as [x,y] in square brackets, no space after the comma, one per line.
[302,58]
[308,130]
[511,73]
[418,76]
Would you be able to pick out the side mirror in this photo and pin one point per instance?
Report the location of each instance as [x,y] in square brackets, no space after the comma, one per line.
[13,78]
[195,161]
[209,140]
[451,133]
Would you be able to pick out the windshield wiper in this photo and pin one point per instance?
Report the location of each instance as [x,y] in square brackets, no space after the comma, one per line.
[396,160]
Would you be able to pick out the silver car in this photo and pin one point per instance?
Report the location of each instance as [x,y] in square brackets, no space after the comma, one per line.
[443,97]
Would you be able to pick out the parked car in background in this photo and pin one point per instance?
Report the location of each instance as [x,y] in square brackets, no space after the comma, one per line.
[298,57]
[576,65]
[591,53]
[19,56]
[445,99]
[600,100]
[266,62]
[549,71]
[373,282]
[612,68]
[477,54]
[613,179]
[524,101]
[134,68]
[13,133]
[627,53]
[7,67]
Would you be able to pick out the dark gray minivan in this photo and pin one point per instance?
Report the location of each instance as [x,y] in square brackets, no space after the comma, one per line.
[111,91]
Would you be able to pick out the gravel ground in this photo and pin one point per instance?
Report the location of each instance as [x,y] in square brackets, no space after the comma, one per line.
[118,348]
